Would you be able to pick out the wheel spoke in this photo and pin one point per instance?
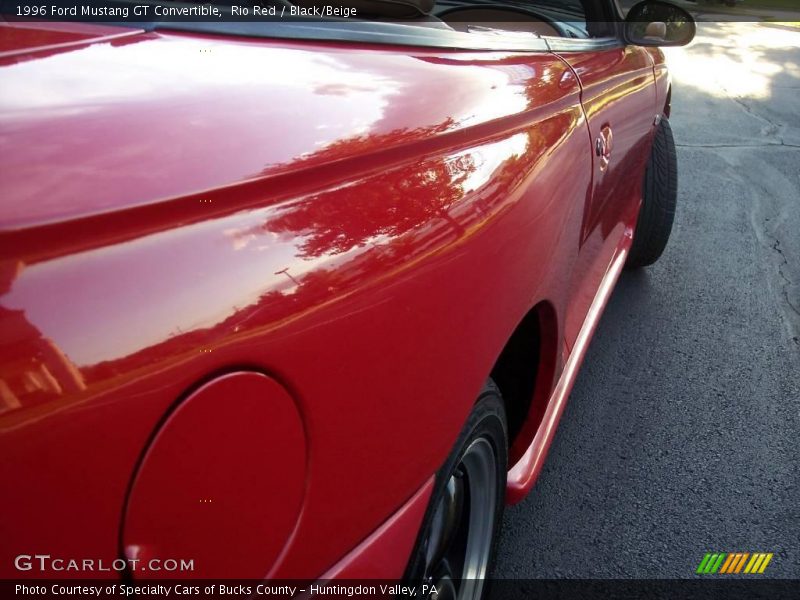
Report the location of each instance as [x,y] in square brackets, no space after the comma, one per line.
[459,541]
[447,519]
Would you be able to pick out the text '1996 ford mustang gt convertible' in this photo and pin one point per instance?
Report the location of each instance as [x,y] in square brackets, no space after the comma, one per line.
[305,298]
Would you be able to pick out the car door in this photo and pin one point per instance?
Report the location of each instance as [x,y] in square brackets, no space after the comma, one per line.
[619,99]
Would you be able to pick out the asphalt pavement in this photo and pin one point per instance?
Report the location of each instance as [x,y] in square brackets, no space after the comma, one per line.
[682,435]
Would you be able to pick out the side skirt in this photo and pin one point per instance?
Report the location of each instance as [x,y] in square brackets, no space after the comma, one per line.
[523,474]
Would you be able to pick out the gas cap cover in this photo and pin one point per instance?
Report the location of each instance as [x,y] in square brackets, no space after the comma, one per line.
[222,483]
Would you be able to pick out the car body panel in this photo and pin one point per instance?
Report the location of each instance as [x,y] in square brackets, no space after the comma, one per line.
[619,99]
[384,554]
[369,242]
[20,37]
[522,475]
[207,94]
[184,508]
[663,81]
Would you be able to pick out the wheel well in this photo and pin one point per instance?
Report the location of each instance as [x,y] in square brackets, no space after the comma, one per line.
[523,373]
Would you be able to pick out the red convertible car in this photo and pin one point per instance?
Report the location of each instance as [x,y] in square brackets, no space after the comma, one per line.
[305,298]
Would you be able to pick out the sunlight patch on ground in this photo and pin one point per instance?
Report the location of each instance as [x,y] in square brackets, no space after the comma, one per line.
[733,59]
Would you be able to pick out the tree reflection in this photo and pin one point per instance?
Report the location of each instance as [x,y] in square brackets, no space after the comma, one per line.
[32,366]
[389,205]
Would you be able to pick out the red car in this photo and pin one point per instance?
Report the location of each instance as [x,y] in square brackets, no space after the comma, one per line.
[305,299]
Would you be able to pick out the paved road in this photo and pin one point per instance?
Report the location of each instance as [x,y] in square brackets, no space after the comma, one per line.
[682,435]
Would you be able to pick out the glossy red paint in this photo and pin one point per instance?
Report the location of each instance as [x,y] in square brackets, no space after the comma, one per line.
[620,103]
[197,484]
[371,242]
[37,36]
[377,556]
[523,474]
[663,81]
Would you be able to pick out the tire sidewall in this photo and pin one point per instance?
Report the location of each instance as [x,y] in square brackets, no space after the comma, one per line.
[487,420]
[659,200]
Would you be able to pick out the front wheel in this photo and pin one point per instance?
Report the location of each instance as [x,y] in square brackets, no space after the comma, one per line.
[456,544]
[659,198]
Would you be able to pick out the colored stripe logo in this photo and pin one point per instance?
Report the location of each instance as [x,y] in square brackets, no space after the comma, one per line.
[734,562]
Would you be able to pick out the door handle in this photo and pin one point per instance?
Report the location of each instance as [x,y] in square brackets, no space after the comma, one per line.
[600,147]
[603,145]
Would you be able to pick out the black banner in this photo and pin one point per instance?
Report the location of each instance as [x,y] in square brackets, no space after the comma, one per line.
[710,588]
[149,11]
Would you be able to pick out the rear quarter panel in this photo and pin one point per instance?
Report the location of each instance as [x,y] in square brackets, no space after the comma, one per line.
[367,225]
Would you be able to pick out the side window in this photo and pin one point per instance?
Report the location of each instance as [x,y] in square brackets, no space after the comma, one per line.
[502,25]
[565,19]
[569,19]
[542,18]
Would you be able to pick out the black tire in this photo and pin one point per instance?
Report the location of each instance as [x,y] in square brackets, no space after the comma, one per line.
[659,198]
[486,423]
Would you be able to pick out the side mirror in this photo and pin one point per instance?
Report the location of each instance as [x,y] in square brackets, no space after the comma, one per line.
[657,23]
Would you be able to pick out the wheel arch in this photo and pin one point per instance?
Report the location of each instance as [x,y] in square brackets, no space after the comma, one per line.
[524,372]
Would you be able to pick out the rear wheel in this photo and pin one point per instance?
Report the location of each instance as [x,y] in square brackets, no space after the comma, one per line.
[456,545]
[659,198]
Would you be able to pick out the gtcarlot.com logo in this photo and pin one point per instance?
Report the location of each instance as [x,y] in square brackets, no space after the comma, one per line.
[45,563]
[727,563]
